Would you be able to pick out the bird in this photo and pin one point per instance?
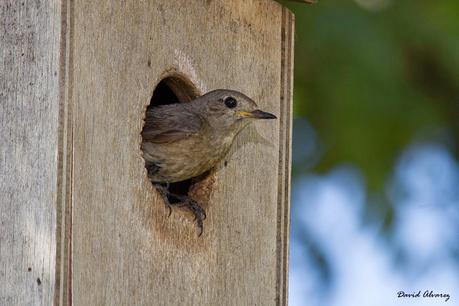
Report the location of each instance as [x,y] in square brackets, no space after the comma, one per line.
[181,141]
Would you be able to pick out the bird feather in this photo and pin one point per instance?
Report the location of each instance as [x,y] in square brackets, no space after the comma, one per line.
[170,123]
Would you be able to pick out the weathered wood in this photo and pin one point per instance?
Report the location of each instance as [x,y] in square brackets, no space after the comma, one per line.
[305,1]
[76,205]
[126,250]
[285,143]
[30,38]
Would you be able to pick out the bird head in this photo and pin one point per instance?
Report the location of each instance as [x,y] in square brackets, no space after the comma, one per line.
[231,110]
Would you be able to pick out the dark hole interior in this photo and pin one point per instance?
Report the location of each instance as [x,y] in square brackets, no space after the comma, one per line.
[162,95]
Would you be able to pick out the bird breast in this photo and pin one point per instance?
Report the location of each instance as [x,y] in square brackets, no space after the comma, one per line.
[186,158]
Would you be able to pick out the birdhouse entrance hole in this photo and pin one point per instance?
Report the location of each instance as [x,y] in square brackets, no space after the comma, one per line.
[178,89]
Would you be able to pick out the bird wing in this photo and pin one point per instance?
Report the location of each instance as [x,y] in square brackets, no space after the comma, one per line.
[169,123]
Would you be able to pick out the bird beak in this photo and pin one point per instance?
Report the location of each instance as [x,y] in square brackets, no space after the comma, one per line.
[257,114]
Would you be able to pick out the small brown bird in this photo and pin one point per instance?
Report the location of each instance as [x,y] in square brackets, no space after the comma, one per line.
[184,140]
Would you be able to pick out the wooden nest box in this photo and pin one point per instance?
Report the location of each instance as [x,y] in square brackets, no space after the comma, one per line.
[81,223]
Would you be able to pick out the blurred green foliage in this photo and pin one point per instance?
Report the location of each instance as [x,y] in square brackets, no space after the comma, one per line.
[372,80]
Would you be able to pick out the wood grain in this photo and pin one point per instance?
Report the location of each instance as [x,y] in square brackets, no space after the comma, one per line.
[30,37]
[285,144]
[305,1]
[125,250]
[81,224]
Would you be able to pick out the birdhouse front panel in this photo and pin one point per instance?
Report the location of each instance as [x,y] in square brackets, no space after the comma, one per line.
[127,247]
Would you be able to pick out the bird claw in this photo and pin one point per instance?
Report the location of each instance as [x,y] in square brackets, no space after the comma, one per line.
[169,206]
[198,212]
[200,226]
[184,201]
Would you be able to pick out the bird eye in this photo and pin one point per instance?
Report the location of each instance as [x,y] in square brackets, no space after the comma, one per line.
[230,102]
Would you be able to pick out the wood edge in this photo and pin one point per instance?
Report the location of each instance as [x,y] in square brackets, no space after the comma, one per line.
[288,151]
[305,1]
[285,131]
[64,162]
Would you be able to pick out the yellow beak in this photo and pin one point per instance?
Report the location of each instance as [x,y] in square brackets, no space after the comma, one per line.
[257,114]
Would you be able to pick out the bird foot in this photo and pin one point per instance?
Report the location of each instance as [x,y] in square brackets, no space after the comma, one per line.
[172,199]
[198,212]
